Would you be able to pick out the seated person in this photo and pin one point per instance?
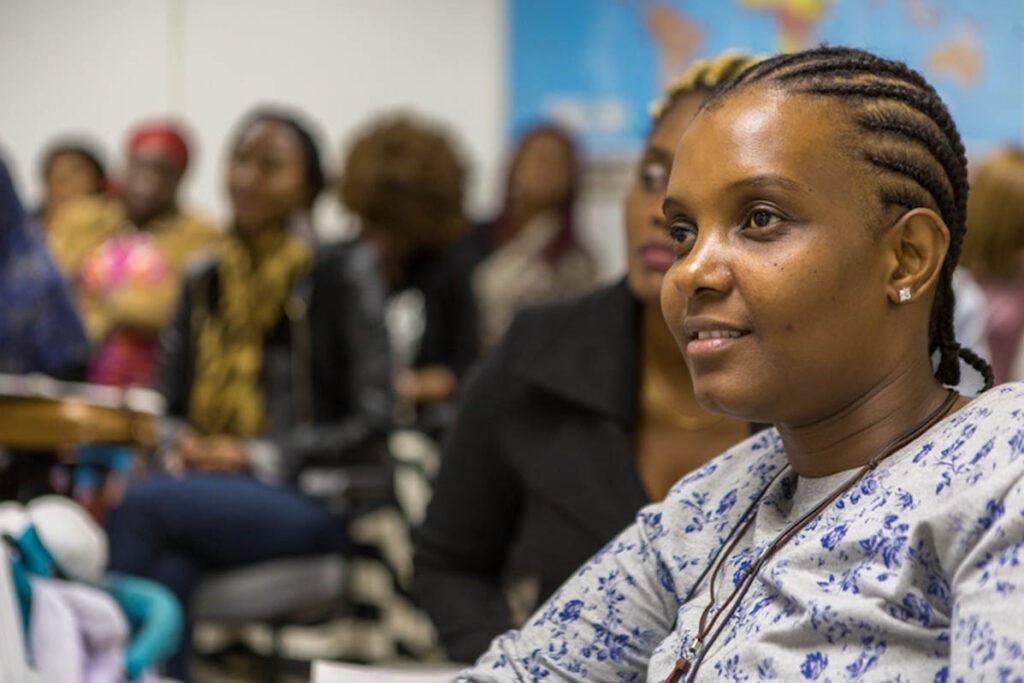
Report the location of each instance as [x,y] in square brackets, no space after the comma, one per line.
[40,330]
[404,182]
[817,206]
[581,415]
[531,251]
[124,255]
[994,252]
[70,170]
[276,360]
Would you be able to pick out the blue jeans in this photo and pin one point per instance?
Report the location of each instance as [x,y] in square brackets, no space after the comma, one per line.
[172,530]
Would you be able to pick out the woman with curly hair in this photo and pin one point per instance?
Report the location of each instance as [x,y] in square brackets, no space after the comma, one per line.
[404,180]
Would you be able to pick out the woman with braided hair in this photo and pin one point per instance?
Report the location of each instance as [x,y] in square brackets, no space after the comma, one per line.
[817,205]
[583,414]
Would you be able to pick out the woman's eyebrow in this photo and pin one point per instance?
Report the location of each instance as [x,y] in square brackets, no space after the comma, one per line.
[671,205]
[658,154]
[762,181]
[769,181]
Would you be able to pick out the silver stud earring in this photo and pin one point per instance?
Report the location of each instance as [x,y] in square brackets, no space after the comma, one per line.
[904,294]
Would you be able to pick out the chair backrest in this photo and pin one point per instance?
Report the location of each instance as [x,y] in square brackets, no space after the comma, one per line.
[14,663]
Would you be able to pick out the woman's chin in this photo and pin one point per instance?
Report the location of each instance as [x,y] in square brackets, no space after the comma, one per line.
[738,404]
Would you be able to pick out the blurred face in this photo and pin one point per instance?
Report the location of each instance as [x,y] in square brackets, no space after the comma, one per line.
[267,177]
[150,185]
[543,173]
[777,295]
[649,251]
[70,176]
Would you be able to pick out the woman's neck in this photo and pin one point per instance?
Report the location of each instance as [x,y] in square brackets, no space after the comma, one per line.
[859,431]
[524,213]
[257,240]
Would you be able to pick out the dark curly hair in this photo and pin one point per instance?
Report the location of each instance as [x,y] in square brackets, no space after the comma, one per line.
[404,176]
[907,134]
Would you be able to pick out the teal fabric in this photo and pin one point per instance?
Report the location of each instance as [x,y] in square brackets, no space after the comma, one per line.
[24,590]
[155,616]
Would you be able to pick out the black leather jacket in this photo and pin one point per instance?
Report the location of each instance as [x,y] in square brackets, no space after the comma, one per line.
[326,365]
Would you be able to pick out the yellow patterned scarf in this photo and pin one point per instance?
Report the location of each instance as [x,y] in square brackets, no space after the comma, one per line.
[255,284]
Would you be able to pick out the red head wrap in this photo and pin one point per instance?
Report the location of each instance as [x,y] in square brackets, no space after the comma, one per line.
[163,137]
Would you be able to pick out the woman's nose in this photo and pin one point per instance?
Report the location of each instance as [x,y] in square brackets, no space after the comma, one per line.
[243,175]
[706,269]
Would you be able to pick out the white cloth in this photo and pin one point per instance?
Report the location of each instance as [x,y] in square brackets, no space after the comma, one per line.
[912,575]
[78,633]
[74,539]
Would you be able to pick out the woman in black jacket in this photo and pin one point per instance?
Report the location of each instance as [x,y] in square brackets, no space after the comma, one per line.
[582,414]
[277,359]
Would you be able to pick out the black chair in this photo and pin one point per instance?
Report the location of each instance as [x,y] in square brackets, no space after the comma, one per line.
[300,591]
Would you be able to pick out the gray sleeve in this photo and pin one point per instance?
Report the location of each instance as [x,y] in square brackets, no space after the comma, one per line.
[601,625]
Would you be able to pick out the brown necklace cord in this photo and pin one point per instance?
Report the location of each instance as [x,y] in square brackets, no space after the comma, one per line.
[699,648]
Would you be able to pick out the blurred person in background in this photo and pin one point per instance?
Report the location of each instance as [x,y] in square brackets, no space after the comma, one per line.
[404,181]
[124,255]
[40,331]
[581,415]
[994,252]
[276,361]
[531,253]
[70,169]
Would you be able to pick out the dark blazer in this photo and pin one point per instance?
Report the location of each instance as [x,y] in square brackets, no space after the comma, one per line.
[538,471]
[326,365]
[451,335]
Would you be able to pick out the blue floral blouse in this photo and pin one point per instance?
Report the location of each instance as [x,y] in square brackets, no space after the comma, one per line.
[915,574]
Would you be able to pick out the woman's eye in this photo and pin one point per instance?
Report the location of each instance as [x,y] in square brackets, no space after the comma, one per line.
[654,177]
[762,218]
[681,233]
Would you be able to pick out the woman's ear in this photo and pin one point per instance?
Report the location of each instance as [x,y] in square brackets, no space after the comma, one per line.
[918,241]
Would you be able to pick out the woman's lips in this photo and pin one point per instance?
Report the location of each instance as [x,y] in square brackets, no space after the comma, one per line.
[708,337]
[657,256]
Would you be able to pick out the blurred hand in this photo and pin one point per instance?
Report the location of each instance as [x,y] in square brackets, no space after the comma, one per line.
[427,385]
[217,453]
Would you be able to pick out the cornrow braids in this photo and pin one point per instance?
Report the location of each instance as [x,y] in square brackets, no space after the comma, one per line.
[703,74]
[910,139]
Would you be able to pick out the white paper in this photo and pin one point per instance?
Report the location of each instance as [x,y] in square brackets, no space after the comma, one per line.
[338,672]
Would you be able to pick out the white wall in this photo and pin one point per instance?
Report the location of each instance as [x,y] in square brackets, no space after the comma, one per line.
[97,66]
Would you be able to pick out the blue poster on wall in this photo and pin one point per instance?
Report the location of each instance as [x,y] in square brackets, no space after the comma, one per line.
[596,65]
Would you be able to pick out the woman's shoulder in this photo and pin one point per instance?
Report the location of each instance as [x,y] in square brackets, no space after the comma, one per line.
[347,255]
[1000,409]
[611,303]
[576,337]
[971,457]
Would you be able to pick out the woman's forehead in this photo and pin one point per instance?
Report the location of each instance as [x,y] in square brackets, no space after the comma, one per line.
[271,135]
[766,131]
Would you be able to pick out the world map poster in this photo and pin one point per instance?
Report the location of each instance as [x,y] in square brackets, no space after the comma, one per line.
[596,65]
